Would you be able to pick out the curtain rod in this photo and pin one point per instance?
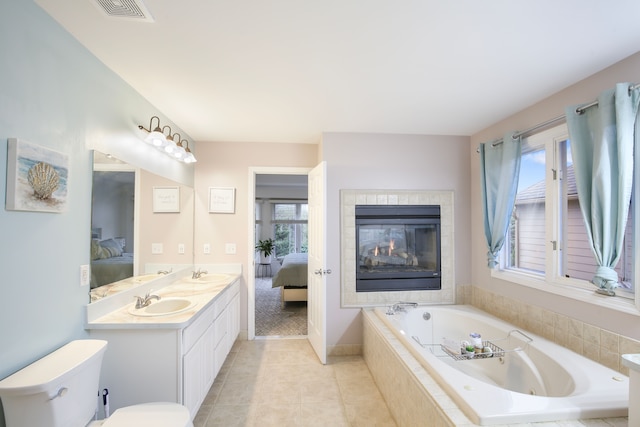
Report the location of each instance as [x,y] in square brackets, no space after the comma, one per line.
[529,132]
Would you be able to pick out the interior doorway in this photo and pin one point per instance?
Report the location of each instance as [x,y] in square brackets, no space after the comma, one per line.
[277,304]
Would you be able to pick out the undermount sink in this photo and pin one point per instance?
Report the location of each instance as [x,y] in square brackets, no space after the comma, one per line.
[163,307]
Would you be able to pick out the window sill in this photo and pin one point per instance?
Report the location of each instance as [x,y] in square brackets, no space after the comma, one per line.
[618,303]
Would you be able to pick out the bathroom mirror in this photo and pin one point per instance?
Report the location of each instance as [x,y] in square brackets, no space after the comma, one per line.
[141,224]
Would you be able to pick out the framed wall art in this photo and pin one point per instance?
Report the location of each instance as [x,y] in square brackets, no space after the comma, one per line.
[37,178]
[166,199]
[222,200]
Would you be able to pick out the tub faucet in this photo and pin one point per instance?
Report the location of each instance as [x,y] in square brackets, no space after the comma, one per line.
[198,274]
[401,307]
[142,302]
[165,272]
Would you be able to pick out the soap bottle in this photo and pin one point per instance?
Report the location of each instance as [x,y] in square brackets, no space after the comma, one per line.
[476,341]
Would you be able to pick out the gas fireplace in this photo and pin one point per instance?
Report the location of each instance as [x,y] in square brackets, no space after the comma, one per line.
[398,248]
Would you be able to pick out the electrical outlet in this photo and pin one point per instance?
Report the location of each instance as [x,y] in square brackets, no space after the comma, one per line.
[85,273]
[156,248]
[207,248]
[230,248]
[181,248]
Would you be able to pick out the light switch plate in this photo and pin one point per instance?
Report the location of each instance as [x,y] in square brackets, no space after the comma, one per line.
[230,248]
[181,248]
[156,248]
[207,248]
[85,274]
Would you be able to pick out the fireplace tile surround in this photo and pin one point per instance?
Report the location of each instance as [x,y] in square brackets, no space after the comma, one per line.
[348,201]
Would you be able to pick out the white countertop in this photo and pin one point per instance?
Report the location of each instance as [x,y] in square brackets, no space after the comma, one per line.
[201,293]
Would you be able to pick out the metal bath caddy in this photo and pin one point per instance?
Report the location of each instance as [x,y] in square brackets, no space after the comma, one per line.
[467,355]
[496,350]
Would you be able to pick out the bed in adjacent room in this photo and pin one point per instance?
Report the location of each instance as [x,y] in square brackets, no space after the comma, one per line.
[109,263]
[292,278]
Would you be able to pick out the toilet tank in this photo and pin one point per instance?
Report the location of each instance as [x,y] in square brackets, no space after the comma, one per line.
[59,390]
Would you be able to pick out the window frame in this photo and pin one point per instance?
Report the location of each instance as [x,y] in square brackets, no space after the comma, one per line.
[550,281]
[295,222]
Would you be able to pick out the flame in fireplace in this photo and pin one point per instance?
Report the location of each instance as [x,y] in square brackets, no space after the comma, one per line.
[389,249]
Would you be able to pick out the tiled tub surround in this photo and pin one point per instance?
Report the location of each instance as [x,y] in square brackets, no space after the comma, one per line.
[533,380]
[597,344]
[348,201]
[413,396]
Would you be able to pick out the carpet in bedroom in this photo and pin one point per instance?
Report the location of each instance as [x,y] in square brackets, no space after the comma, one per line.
[274,320]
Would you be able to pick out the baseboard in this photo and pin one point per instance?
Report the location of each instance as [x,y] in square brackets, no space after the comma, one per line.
[344,350]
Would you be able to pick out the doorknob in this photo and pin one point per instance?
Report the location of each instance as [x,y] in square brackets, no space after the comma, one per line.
[318,271]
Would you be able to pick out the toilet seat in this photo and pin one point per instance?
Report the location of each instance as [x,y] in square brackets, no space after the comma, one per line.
[156,414]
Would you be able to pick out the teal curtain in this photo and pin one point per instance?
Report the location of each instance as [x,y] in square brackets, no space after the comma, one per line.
[499,170]
[602,148]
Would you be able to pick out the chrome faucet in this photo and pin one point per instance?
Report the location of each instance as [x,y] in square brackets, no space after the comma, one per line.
[198,274]
[142,302]
[165,272]
[401,307]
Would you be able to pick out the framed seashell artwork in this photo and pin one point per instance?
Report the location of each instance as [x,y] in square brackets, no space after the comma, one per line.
[37,178]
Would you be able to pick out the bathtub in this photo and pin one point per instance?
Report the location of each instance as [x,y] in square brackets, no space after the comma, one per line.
[523,378]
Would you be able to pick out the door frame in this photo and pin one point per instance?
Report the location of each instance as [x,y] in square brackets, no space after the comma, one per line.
[251,219]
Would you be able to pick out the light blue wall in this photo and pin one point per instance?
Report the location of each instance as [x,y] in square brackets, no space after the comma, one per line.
[54,93]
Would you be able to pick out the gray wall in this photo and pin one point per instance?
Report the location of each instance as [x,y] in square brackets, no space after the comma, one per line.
[386,161]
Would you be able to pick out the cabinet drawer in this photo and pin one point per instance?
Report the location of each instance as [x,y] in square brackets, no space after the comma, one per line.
[220,328]
[218,305]
[194,331]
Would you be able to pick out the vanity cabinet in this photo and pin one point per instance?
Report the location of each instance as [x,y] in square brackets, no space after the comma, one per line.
[208,342]
[157,362]
[199,367]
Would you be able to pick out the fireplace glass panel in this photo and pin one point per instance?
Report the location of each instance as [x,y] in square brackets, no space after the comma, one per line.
[398,249]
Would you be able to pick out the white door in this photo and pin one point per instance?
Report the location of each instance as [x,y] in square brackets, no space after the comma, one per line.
[317,290]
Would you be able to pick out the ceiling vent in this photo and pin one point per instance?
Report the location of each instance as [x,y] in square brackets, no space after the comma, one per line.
[128,9]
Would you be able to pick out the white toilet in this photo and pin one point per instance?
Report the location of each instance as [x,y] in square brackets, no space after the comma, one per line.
[61,390]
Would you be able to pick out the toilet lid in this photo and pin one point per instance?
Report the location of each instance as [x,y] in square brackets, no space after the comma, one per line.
[158,414]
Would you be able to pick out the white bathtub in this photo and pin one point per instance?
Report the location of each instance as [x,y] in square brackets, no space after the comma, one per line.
[534,379]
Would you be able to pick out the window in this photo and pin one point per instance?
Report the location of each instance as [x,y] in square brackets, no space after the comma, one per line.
[526,230]
[547,239]
[290,227]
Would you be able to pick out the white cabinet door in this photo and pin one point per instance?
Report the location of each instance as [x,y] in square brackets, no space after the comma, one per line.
[199,370]
[192,376]
[234,323]
[209,371]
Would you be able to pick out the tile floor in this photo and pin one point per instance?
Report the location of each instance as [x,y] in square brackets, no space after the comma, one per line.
[281,383]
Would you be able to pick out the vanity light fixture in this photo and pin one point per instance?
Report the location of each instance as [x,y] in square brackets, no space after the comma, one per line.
[189,157]
[179,151]
[170,144]
[156,136]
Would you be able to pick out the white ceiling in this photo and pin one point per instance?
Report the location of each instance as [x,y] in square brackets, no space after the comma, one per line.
[287,70]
